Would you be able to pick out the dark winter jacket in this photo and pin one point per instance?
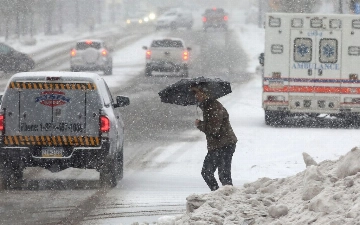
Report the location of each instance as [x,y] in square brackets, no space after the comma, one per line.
[216,125]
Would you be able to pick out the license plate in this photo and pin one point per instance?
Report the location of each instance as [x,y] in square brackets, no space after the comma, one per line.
[52,152]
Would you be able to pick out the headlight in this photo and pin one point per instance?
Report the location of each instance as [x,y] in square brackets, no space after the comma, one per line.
[128,21]
[152,16]
[146,19]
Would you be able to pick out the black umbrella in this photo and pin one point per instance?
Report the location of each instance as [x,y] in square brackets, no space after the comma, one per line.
[179,93]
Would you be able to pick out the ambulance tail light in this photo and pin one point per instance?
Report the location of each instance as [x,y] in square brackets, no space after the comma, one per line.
[104,124]
[148,54]
[276,98]
[2,123]
[276,75]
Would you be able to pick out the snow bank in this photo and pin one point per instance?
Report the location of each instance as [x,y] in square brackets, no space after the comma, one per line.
[324,193]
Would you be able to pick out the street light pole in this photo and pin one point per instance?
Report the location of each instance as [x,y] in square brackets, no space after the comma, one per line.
[260,13]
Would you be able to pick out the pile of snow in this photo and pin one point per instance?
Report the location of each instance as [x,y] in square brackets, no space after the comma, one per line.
[324,193]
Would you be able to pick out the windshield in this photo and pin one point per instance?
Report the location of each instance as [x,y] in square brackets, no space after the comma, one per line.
[167,44]
[85,45]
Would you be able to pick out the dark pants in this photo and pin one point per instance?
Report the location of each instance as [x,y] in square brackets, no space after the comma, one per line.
[218,159]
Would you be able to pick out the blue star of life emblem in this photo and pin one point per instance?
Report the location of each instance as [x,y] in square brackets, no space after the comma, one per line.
[328,50]
[302,50]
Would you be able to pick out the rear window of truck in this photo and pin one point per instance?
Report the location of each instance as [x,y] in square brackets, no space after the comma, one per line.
[85,45]
[213,12]
[167,44]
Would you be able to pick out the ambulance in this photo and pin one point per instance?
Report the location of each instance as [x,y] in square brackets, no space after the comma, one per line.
[311,66]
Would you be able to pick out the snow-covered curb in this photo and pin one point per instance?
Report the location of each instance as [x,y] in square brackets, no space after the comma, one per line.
[324,193]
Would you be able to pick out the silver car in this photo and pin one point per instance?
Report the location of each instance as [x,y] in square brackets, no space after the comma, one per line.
[91,55]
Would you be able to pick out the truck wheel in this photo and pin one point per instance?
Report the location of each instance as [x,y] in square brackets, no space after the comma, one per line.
[185,71]
[108,71]
[120,160]
[12,175]
[108,173]
[274,118]
[148,71]
[73,69]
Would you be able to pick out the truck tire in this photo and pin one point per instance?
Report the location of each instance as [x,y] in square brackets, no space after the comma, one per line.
[108,173]
[73,69]
[148,71]
[108,71]
[12,175]
[185,71]
[274,118]
[120,160]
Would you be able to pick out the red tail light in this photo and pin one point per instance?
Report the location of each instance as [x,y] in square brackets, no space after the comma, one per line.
[185,55]
[104,124]
[104,52]
[148,54]
[204,19]
[1,123]
[88,42]
[73,52]
[226,18]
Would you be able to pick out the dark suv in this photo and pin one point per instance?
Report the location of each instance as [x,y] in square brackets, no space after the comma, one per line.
[14,61]
[215,18]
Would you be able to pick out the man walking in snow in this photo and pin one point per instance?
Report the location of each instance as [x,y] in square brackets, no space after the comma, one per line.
[220,137]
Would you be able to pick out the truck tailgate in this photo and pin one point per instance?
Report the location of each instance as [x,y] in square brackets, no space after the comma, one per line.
[50,115]
[167,54]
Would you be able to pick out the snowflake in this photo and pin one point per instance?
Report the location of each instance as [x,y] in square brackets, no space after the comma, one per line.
[302,50]
[328,50]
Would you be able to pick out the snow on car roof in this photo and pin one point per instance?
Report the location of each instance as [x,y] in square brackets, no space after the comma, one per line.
[93,40]
[65,75]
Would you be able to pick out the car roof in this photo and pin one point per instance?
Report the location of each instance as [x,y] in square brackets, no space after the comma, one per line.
[64,75]
[170,39]
[93,40]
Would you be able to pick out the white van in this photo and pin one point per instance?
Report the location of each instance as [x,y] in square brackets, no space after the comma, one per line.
[58,120]
[311,66]
[174,19]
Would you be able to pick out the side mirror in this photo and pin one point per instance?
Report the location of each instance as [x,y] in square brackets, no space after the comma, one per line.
[188,48]
[121,101]
[144,47]
[262,59]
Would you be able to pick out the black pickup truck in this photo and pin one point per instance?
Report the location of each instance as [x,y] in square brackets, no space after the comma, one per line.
[215,18]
